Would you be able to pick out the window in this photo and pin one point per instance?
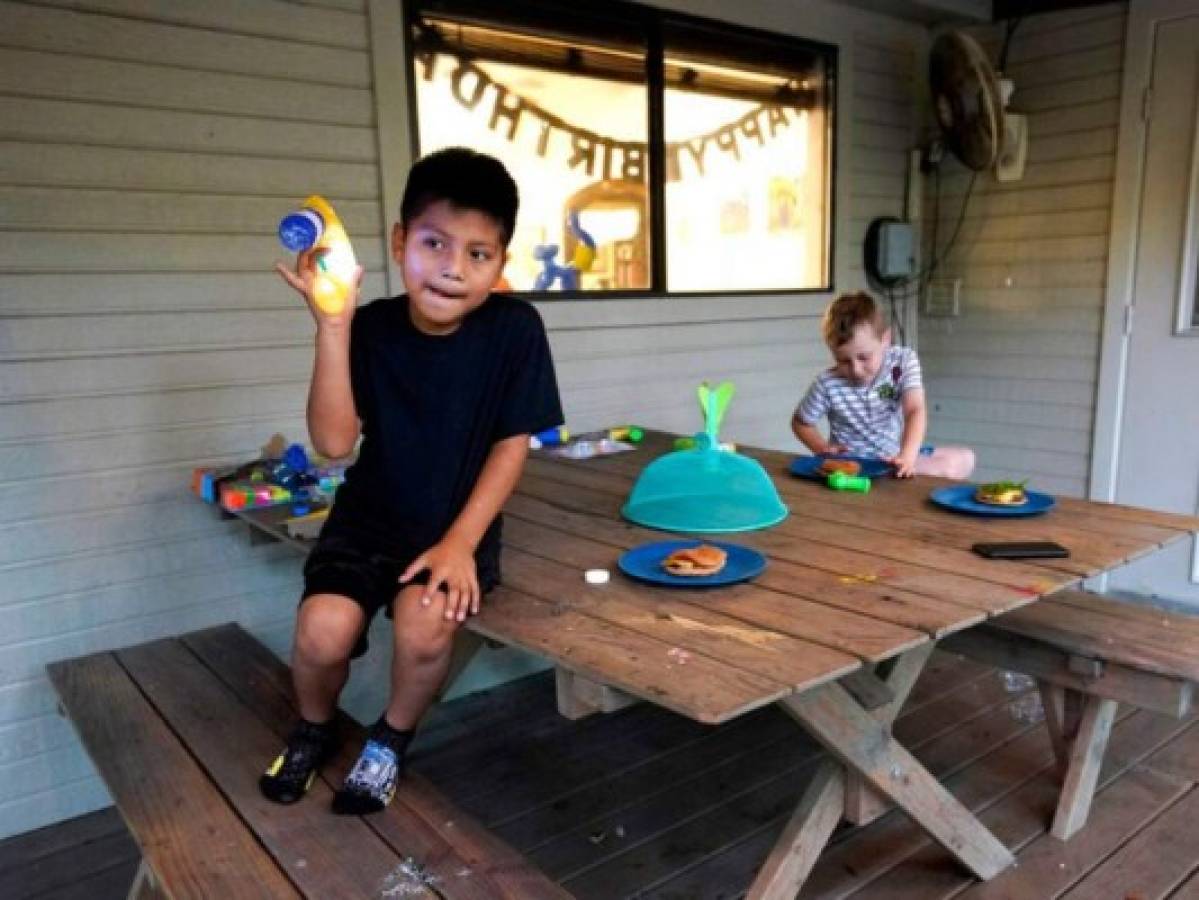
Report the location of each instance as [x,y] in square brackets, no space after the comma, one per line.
[654,152]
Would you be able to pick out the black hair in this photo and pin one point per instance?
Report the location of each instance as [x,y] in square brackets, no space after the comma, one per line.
[467,180]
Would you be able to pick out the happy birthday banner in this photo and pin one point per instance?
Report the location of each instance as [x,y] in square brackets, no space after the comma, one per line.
[612,158]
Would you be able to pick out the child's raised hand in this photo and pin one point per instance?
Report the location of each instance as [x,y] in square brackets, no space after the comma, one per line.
[303,279]
[451,564]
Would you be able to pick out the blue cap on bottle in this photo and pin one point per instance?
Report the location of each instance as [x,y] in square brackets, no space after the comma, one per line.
[301,230]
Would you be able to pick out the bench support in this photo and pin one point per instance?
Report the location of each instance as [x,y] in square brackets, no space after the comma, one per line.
[1086,748]
[1160,693]
[579,696]
[466,645]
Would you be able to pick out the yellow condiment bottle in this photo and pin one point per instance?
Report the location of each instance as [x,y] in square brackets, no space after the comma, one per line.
[316,224]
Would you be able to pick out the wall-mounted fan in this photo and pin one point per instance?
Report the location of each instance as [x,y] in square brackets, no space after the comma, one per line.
[966,99]
[969,102]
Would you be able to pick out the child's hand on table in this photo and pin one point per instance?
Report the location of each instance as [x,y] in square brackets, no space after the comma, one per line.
[904,463]
[451,564]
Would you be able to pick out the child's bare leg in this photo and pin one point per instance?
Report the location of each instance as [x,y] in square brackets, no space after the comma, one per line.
[327,627]
[420,659]
[947,462]
[424,641]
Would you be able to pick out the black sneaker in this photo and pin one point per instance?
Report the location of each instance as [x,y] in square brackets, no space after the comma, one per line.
[291,774]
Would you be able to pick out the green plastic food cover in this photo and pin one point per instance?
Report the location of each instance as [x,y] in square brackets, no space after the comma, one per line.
[706,488]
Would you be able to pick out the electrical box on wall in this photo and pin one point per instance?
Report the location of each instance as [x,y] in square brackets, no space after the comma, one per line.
[889,252]
[895,250]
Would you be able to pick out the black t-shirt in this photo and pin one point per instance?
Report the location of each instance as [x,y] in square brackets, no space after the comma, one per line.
[432,407]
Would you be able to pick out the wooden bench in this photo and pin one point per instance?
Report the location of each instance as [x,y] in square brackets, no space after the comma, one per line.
[1089,653]
[180,729]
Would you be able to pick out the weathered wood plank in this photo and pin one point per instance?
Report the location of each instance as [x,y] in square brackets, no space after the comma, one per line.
[418,822]
[149,785]
[720,615]
[973,743]
[1019,814]
[697,807]
[871,578]
[323,855]
[1132,645]
[1132,612]
[711,626]
[796,538]
[711,692]
[1138,797]
[934,615]
[1172,696]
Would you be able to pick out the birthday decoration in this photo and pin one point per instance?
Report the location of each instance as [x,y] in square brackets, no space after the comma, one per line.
[600,157]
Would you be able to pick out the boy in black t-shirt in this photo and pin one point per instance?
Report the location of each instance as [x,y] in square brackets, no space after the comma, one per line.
[445,385]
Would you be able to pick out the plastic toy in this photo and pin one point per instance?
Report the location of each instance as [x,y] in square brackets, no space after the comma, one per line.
[840,481]
[250,495]
[566,276]
[688,443]
[630,433]
[551,437]
[315,224]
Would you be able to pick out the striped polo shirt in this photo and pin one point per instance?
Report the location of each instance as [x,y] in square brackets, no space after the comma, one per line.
[867,419]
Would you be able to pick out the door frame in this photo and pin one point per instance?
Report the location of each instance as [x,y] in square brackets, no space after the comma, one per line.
[1143,19]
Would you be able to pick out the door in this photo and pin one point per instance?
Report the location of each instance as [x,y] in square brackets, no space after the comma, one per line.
[1158,464]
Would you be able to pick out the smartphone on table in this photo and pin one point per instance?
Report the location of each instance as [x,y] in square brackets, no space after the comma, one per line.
[1021,550]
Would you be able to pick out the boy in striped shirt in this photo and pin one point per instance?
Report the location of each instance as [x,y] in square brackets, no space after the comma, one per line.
[873,397]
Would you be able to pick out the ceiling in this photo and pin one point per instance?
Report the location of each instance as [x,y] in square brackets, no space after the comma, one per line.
[961,12]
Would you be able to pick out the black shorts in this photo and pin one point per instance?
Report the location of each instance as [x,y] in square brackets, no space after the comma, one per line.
[354,568]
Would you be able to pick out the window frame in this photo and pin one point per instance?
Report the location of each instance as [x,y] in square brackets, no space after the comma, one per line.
[632,21]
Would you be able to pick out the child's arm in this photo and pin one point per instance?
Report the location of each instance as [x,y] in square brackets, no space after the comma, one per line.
[811,437]
[333,421]
[915,423]
[451,561]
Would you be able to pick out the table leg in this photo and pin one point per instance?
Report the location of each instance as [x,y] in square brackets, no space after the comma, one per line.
[863,804]
[861,743]
[811,825]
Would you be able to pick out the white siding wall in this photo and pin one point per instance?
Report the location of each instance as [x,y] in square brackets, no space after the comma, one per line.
[1015,376]
[146,151]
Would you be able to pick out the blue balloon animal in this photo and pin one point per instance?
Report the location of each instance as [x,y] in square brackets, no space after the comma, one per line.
[566,276]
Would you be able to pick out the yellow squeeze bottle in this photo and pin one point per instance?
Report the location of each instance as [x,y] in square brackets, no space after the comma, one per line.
[315,224]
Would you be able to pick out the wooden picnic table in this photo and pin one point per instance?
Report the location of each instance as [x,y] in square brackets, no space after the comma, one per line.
[857,591]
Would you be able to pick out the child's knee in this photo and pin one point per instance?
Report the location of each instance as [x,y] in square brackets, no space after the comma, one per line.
[326,632]
[422,633]
[963,463]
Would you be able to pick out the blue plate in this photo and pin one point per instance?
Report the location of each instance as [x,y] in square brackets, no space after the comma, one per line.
[806,466]
[645,564]
[960,498]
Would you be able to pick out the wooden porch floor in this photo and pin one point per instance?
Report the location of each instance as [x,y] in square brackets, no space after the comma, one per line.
[643,803]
